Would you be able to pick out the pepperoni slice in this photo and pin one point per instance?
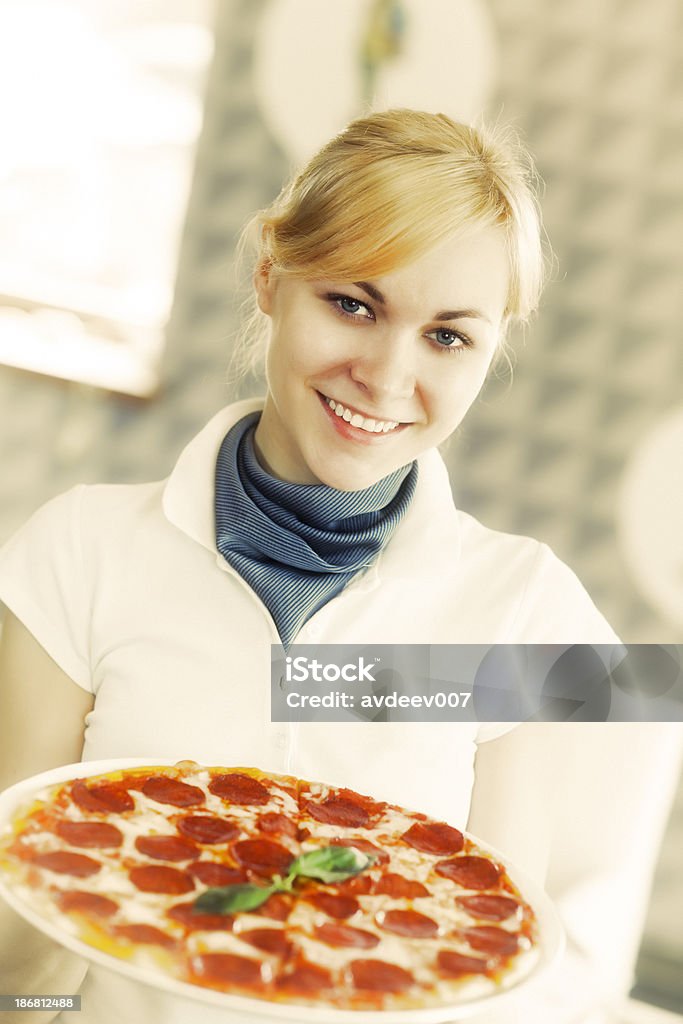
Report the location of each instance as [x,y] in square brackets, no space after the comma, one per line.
[277,907]
[365,846]
[346,936]
[22,850]
[487,939]
[211,873]
[409,923]
[339,810]
[278,824]
[391,884]
[263,856]
[166,847]
[195,921]
[65,863]
[491,908]
[94,834]
[270,940]
[204,828]
[87,903]
[361,885]
[434,837]
[379,976]
[456,964]
[334,904]
[228,969]
[172,791]
[374,809]
[156,878]
[239,789]
[305,978]
[145,933]
[102,799]
[470,872]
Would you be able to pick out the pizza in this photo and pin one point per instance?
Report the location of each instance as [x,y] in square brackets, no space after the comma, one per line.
[271,887]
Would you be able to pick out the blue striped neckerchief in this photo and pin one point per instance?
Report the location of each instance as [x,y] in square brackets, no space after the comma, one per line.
[298,545]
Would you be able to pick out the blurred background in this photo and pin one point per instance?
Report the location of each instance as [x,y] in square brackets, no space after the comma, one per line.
[138,138]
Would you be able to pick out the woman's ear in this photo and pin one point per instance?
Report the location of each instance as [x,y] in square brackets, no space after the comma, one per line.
[264,284]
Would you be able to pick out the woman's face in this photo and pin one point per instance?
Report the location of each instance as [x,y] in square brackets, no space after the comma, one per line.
[365,376]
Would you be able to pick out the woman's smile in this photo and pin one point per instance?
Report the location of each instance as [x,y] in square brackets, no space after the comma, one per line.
[356,425]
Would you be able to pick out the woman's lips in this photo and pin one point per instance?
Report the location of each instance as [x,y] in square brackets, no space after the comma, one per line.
[358,433]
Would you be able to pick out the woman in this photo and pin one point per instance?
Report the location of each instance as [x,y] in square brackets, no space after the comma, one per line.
[388,271]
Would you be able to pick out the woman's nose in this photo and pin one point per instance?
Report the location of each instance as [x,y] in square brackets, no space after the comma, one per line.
[387,367]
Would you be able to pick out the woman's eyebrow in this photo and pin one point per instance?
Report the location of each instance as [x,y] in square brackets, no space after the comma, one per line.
[461,314]
[370,290]
[446,314]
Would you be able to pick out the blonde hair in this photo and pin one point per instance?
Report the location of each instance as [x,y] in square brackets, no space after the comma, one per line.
[388,188]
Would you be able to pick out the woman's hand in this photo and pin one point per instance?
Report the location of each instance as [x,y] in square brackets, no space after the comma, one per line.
[42,714]
[583,804]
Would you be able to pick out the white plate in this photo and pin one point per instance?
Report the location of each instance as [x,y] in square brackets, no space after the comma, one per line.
[550,932]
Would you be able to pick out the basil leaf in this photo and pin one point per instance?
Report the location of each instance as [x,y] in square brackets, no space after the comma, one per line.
[331,863]
[228,899]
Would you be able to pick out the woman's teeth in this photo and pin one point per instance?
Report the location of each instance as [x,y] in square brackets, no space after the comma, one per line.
[356,420]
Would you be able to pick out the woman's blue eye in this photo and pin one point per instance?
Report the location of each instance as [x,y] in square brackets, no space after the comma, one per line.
[445,337]
[449,341]
[350,305]
[346,305]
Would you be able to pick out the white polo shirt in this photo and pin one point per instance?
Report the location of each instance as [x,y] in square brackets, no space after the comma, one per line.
[124,588]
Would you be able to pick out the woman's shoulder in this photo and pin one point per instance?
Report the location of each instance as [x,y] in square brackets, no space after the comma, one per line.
[100,503]
[480,542]
[71,522]
[549,602]
[110,502]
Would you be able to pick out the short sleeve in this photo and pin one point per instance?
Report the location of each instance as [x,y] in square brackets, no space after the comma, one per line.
[555,609]
[493,730]
[43,583]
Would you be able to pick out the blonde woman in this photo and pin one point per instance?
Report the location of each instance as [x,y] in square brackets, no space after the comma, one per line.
[388,273]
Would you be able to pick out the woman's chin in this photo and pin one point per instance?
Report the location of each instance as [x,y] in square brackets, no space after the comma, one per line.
[350,479]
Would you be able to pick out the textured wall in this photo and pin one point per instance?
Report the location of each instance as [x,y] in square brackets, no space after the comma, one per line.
[55,434]
[597,88]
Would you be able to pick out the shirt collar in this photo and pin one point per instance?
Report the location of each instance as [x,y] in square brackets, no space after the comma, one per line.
[429,528]
[190,492]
